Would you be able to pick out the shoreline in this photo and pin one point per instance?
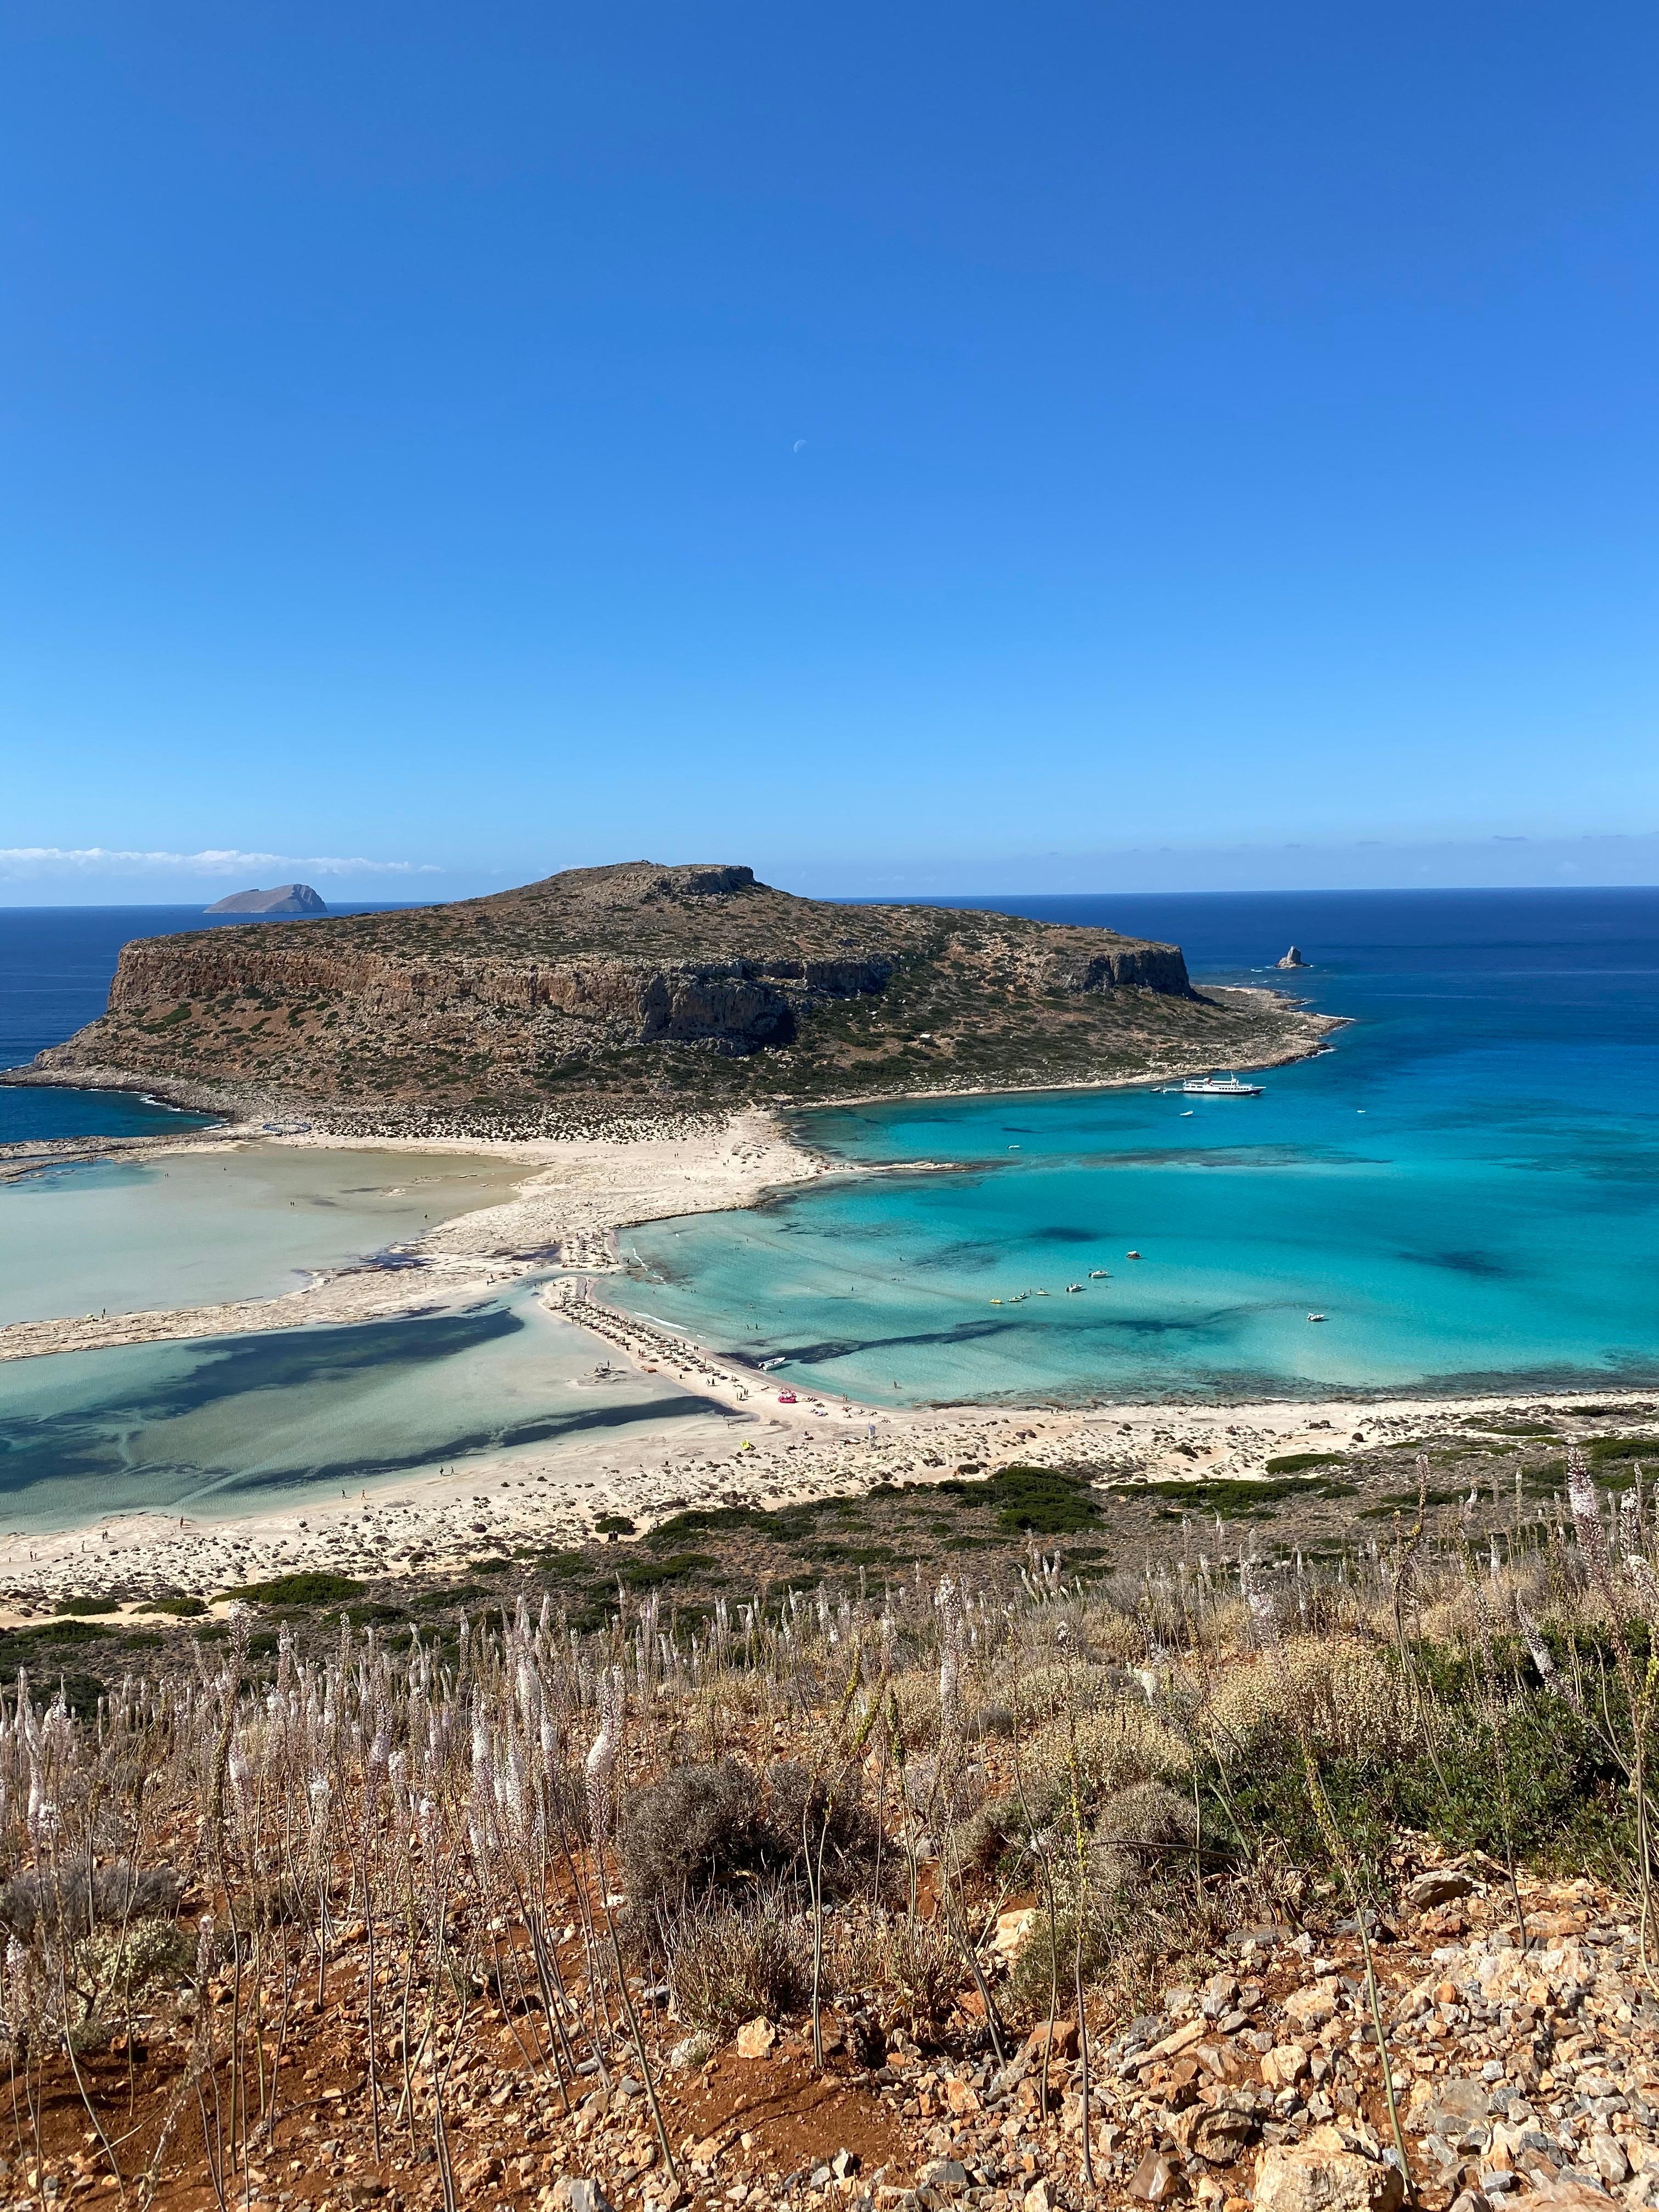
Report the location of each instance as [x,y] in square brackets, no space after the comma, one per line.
[739,1448]
[575,1195]
[240,1113]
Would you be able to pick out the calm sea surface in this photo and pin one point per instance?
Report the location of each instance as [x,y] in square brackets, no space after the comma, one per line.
[1467,1186]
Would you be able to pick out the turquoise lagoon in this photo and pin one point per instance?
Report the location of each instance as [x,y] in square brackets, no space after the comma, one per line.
[196,1229]
[236,1424]
[1467,1186]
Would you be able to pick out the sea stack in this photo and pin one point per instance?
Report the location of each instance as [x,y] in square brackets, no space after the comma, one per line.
[285,899]
[1292,958]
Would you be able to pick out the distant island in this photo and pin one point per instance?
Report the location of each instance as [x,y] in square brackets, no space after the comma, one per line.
[603,991]
[286,900]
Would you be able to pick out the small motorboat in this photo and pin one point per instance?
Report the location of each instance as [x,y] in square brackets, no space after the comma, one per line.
[1039,1294]
[1315,1316]
[1187,1113]
[1132,1256]
[766,1365]
[1070,1288]
[1099,1274]
[996,1302]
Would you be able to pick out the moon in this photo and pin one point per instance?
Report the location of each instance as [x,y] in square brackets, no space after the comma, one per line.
[800,445]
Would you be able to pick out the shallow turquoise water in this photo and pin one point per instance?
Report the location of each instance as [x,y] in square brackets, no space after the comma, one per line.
[1467,1187]
[234,1424]
[196,1229]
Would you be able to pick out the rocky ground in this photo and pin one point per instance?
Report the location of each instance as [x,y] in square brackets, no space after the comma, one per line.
[1521,2075]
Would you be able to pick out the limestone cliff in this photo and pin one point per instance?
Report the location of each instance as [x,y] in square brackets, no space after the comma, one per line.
[643,981]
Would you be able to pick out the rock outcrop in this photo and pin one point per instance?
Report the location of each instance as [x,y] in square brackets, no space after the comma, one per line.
[1292,958]
[281,903]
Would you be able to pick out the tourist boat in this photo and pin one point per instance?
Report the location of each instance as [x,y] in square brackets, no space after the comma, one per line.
[1215,1086]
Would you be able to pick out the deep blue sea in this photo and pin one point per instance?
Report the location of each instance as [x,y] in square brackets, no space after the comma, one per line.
[1466,1186]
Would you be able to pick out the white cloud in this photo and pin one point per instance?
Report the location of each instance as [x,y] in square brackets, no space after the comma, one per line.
[99,859]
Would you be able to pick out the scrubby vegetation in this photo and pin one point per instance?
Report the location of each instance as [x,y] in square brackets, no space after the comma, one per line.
[815,1804]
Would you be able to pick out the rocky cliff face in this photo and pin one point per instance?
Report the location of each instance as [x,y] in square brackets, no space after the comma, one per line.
[639,980]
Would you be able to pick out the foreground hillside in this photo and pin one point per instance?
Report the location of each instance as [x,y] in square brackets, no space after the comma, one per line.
[643,984]
[1231,1875]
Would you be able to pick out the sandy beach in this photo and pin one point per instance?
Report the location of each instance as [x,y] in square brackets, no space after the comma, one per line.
[748,1449]
[744,1445]
[575,1193]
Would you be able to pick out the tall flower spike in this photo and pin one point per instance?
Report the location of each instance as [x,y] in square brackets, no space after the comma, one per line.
[1258,1603]
[949,1602]
[602,1756]
[1586,1510]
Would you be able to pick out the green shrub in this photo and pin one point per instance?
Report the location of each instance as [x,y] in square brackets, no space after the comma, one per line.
[1039,1499]
[79,1607]
[1294,1463]
[309,1586]
[181,1608]
[651,1574]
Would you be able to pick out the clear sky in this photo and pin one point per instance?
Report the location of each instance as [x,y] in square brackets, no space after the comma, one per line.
[921,446]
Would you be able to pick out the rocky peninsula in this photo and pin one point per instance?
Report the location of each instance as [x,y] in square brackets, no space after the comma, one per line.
[600,992]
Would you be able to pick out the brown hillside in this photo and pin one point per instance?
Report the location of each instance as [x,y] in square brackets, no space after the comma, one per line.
[644,984]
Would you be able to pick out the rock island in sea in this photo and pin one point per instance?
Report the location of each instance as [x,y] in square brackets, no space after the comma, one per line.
[600,992]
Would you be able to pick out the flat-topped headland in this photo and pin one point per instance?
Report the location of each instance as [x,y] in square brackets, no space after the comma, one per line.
[600,992]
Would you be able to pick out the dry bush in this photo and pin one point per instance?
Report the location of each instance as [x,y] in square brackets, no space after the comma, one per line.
[1054,1685]
[994,1723]
[112,1972]
[1115,1635]
[1149,1814]
[697,1826]
[1342,1695]
[70,1902]
[721,1709]
[914,1697]
[701,1827]
[1120,1744]
[729,1961]
[922,1973]
[827,1812]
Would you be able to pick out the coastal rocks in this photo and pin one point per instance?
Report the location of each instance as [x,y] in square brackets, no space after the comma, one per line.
[1292,958]
[1138,967]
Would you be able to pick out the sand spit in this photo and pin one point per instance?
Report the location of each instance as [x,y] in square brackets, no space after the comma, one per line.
[746,1449]
[576,1192]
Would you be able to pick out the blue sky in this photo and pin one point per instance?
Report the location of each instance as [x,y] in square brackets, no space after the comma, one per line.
[918,448]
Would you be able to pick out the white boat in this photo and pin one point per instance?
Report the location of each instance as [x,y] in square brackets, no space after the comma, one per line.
[1216,1086]
[1070,1288]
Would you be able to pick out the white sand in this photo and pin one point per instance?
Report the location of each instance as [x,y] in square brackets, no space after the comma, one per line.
[576,1192]
[758,1452]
